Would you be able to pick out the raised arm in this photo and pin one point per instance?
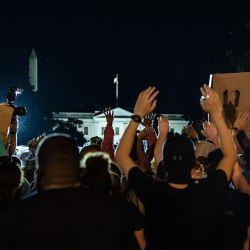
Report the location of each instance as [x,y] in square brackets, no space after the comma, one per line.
[192,134]
[144,105]
[163,125]
[210,132]
[239,180]
[238,130]
[108,139]
[211,103]
[151,138]
[13,136]
[141,155]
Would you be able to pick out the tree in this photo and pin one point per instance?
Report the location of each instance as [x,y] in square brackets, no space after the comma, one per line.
[70,127]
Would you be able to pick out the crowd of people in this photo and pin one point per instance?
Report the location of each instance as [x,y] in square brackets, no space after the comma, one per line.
[177,192]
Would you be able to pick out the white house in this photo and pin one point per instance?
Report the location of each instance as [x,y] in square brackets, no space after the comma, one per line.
[94,123]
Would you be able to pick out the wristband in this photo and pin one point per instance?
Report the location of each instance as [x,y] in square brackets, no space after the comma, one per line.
[136,118]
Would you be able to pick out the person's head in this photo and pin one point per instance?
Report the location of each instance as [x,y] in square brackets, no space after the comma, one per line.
[29,169]
[33,144]
[57,159]
[16,161]
[203,148]
[11,178]
[116,175]
[199,171]
[96,140]
[96,171]
[89,148]
[213,160]
[178,159]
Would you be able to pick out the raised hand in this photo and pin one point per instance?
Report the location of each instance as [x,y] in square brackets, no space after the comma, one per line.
[32,144]
[241,121]
[109,114]
[209,130]
[40,137]
[163,124]
[148,120]
[191,132]
[146,102]
[210,101]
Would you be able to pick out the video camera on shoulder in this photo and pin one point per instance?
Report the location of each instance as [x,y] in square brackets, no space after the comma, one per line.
[11,97]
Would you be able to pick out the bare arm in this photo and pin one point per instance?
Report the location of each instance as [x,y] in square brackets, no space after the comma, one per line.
[210,132]
[139,235]
[192,134]
[211,104]
[239,180]
[163,132]
[13,137]
[144,105]
[238,130]
[141,155]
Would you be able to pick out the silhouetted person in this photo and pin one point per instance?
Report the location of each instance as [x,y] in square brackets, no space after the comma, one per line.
[62,214]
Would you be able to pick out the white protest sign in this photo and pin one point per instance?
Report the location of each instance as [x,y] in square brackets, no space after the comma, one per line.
[234,92]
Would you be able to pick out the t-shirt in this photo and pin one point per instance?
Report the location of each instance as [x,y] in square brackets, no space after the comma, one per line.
[178,218]
[73,218]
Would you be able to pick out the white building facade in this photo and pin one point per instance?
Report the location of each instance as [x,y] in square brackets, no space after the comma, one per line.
[95,123]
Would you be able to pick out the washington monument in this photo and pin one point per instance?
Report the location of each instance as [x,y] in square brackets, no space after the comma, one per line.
[33,70]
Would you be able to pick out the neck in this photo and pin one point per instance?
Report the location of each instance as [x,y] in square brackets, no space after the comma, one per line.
[59,186]
[178,186]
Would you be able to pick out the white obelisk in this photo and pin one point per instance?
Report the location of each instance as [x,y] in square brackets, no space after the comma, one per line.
[33,70]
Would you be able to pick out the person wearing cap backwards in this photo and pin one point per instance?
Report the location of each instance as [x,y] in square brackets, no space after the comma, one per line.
[62,214]
[179,213]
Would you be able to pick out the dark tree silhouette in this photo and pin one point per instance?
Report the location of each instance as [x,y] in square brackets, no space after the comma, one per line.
[70,127]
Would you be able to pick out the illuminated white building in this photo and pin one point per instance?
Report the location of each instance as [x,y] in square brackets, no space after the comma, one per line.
[94,123]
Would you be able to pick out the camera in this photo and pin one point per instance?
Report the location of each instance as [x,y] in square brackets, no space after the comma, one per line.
[11,97]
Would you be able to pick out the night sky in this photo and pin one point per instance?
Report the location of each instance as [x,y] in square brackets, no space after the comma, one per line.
[80,49]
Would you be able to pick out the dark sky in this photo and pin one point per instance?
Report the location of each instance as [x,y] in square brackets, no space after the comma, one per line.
[80,48]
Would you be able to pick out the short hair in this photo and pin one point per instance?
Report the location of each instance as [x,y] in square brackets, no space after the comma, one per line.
[96,170]
[57,158]
[179,159]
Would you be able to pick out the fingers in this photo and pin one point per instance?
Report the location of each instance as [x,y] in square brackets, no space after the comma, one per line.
[108,111]
[154,104]
[149,93]
[204,91]
[163,119]
[153,96]
[244,116]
